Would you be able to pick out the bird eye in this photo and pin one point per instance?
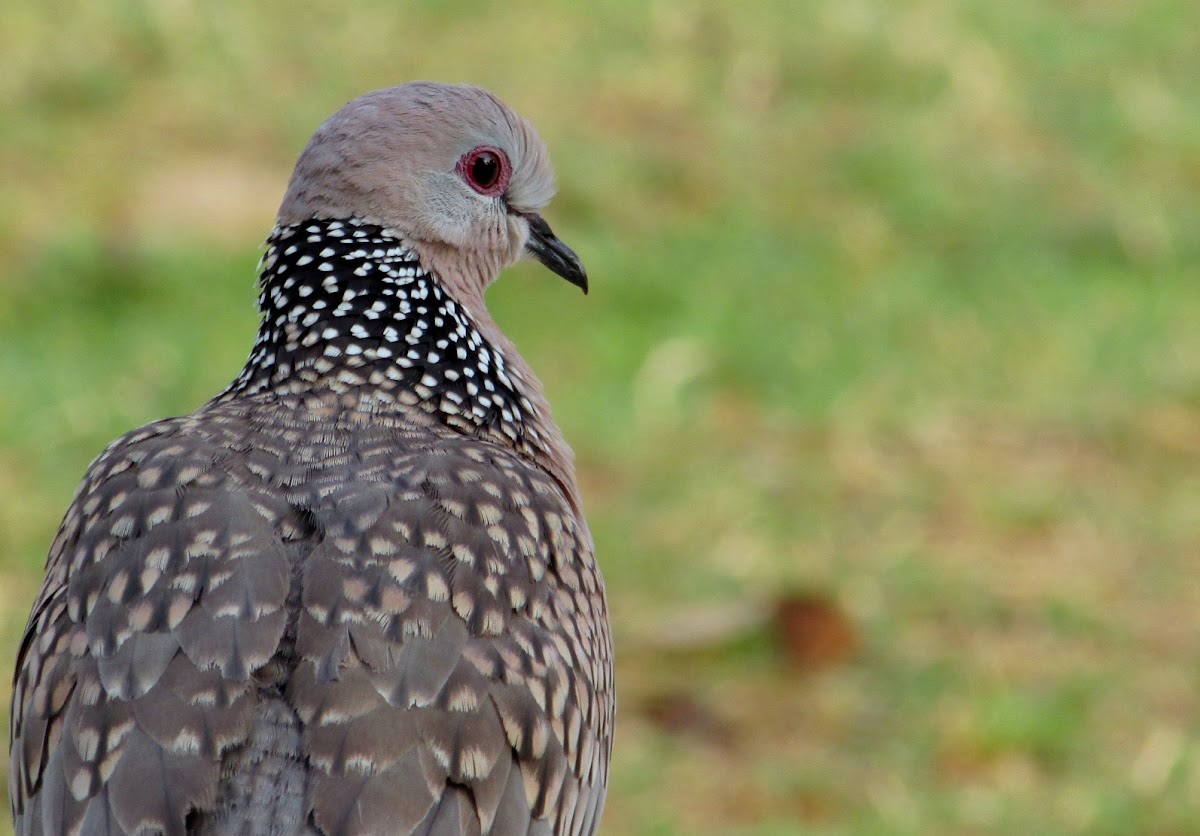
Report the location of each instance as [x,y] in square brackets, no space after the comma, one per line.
[486,170]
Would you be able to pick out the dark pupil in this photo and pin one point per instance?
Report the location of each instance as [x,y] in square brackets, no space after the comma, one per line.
[485,169]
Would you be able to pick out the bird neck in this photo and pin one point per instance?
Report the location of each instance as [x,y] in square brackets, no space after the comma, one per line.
[349,310]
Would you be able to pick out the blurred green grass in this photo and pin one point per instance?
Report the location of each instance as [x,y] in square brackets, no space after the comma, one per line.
[893,302]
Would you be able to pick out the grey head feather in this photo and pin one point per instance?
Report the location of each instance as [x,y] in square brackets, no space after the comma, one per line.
[389,157]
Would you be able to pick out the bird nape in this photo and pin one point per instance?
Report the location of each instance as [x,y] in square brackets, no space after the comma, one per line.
[354,592]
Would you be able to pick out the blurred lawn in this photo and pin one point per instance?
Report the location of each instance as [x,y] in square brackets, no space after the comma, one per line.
[894,303]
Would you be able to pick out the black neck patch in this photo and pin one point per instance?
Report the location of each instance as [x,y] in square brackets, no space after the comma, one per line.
[348,306]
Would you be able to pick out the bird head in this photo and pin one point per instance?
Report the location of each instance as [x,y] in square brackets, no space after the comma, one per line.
[449,167]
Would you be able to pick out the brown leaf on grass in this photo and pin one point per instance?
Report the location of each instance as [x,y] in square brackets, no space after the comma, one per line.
[813,632]
[681,714]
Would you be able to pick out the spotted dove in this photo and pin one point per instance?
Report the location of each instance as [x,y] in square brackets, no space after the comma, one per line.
[355,591]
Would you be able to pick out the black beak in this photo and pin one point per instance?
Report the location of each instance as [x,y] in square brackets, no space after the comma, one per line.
[546,248]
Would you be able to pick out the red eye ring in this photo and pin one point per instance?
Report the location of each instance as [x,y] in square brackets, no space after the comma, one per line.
[486,169]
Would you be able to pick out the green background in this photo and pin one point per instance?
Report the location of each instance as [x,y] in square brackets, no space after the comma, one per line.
[895,307]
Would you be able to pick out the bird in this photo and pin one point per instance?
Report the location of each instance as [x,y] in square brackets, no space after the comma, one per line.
[354,592]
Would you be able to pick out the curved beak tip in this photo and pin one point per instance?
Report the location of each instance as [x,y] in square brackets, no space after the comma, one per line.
[546,247]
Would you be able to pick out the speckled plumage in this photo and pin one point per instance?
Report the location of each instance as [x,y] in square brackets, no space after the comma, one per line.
[353,593]
[351,302]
